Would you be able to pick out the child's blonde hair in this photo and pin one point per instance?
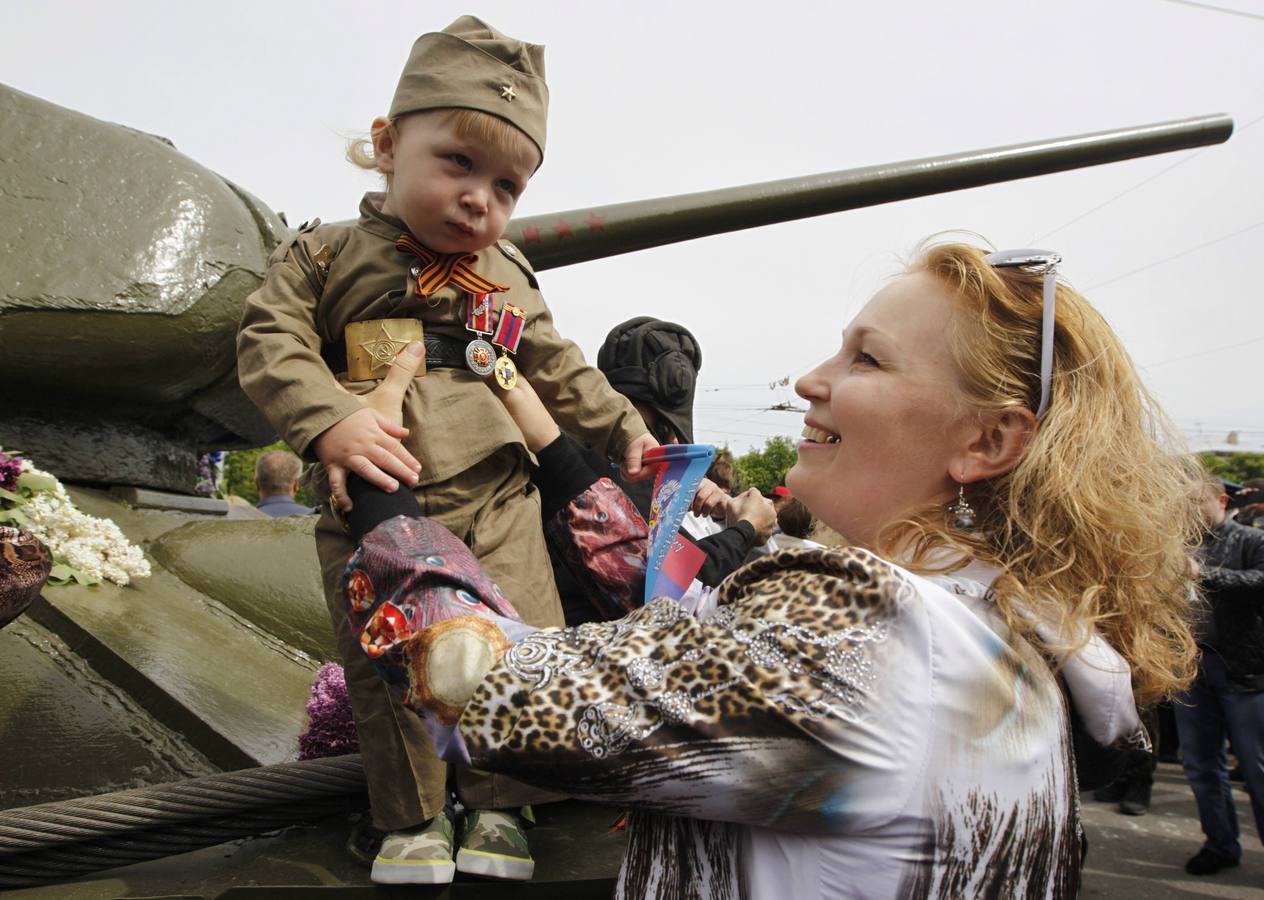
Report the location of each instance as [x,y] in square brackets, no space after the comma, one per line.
[468,124]
[1095,524]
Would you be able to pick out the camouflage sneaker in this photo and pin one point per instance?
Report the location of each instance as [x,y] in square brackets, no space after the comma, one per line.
[493,845]
[419,856]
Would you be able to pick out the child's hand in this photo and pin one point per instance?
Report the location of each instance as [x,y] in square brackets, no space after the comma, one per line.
[528,412]
[367,442]
[632,468]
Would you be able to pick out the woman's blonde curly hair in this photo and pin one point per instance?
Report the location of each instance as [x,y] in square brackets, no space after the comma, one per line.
[1096,522]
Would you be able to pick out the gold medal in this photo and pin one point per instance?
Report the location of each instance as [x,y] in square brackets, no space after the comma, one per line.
[506,373]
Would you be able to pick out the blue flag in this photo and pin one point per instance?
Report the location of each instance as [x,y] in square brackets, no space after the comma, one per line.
[681,468]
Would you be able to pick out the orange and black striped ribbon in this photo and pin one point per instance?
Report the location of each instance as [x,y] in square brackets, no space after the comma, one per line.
[437,271]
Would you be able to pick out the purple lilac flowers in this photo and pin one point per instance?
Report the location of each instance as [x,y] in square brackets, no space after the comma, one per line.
[10,469]
[330,728]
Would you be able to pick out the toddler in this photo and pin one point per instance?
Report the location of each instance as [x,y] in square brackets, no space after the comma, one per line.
[424,269]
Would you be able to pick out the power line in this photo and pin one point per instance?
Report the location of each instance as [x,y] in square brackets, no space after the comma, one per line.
[1037,240]
[764,435]
[1221,9]
[1142,183]
[1164,362]
[1159,262]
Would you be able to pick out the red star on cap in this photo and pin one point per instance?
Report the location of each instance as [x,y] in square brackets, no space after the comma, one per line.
[595,222]
[563,228]
[530,235]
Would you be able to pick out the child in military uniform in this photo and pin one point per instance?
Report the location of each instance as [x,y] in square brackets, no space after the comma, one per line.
[424,269]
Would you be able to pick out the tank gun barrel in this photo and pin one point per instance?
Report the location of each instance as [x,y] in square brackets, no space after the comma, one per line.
[559,239]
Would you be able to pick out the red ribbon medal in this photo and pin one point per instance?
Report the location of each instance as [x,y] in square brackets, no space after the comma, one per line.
[507,337]
[480,314]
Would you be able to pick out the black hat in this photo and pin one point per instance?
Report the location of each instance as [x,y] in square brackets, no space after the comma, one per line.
[656,363]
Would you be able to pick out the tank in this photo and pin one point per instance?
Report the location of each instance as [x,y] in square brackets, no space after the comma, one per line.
[126,267]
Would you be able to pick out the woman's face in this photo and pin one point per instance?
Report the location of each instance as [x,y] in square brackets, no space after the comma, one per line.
[884,427]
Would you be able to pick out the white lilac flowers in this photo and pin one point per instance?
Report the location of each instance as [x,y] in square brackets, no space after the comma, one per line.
[86,549]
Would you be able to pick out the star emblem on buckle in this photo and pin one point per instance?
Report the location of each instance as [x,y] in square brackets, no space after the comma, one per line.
[383,349]
[507,92]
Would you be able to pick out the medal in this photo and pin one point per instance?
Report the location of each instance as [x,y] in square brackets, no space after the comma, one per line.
[507,337]
[480,356]
[506,373]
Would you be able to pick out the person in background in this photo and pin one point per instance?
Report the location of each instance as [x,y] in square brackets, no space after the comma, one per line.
[1226,700]
[1132,789]
[721,472]
[794,519]
[1252,516]
[655,364]
[276,478]
[794,523]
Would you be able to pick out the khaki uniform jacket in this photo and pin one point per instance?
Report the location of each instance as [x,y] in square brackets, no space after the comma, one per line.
[311,293]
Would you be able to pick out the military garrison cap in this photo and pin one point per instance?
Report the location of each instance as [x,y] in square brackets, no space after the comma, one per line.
[470,65]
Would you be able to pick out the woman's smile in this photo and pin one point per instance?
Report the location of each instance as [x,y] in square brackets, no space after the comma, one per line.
[815,436]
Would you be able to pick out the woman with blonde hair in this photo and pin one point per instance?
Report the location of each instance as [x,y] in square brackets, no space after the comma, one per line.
[879,720]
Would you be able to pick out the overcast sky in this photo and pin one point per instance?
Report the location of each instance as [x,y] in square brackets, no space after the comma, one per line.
[658,98]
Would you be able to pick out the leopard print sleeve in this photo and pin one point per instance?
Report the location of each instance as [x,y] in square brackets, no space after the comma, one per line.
[762,713]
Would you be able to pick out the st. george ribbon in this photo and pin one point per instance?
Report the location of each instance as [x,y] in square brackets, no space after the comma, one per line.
[672,561]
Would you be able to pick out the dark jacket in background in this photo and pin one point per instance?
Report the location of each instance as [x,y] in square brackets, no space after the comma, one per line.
[725,552]
[1232,582]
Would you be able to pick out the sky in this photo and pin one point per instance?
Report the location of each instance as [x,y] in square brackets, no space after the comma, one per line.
[657,98]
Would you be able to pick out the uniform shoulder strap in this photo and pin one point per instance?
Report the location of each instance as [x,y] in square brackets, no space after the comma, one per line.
[313,247]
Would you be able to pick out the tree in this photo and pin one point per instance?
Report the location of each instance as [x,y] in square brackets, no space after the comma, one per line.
[766,468]
[1234,466]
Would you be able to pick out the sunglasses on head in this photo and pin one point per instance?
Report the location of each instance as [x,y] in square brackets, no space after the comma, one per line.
[1042,262]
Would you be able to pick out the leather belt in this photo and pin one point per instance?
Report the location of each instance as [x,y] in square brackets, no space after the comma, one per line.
[442,352]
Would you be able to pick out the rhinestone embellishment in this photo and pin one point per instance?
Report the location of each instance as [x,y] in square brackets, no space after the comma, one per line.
[646,674]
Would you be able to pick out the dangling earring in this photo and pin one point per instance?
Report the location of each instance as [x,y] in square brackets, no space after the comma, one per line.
[962,512]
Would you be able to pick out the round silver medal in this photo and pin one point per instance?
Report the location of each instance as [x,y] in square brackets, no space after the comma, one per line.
[480,356]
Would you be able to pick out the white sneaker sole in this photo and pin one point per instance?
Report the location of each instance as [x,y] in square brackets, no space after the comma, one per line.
[412,871]
[494,865]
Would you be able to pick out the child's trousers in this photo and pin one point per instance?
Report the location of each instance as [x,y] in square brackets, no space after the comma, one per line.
[494,509]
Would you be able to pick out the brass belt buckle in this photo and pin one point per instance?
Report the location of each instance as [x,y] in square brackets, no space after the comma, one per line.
[373,344]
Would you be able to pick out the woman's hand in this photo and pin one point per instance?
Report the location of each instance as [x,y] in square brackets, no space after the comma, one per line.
[528,412]
[367,442]
[387,399]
